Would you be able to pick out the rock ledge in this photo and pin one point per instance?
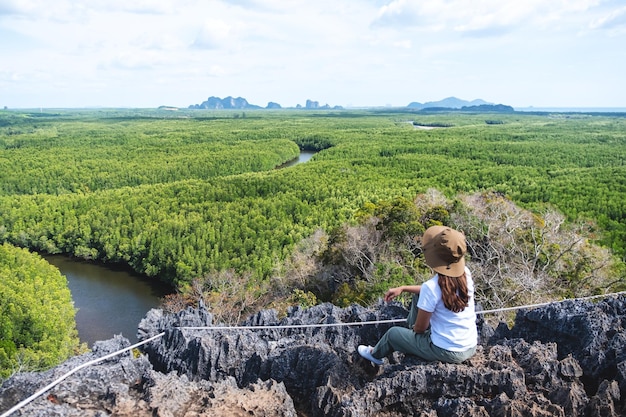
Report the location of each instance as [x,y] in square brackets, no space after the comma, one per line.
[566,359]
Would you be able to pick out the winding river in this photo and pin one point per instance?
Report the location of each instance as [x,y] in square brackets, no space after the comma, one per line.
[303,157]
[113,301]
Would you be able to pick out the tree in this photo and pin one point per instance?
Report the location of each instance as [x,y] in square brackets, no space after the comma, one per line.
[37,317]
[519,257]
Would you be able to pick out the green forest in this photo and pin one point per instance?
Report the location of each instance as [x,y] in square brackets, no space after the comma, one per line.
[37,328]
[196,194]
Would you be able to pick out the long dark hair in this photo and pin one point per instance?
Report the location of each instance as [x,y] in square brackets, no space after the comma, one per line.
[454,292]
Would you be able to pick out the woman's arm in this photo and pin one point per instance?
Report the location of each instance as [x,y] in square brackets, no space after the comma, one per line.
[396,291]
[422,321]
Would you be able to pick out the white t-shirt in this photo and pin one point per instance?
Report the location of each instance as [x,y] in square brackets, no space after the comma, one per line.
[452,331]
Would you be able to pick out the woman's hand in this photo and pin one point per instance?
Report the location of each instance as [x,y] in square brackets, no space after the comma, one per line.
[392,293]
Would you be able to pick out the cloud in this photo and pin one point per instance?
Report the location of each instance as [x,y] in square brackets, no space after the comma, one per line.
[401,13]
[133,61]
[213,34]
[481,18]
[614,19]
[353,50]
[7,76]
[9,7]
[261,5]
[156,7]
[41,10]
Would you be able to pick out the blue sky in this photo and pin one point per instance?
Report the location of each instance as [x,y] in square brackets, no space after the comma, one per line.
[147,53]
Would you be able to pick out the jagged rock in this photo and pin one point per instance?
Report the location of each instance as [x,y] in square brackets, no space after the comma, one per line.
[91,391]
[311,104]
[229,102]
[566,359]
[128,386]
[592,333]
[172,395]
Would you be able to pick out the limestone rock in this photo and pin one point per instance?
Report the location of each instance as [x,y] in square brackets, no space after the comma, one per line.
[566,359]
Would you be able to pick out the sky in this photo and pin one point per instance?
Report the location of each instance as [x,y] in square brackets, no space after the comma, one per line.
[351,53]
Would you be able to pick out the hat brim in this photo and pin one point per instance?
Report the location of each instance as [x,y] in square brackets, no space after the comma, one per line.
[455,269]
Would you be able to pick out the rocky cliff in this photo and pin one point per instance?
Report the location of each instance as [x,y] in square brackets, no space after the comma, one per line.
[566,359]
[240,103]
[229,102]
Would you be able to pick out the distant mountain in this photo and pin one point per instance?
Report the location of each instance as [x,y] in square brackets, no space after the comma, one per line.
[216,103]
[448,103]
[240,103]
[311,104]
[482,108]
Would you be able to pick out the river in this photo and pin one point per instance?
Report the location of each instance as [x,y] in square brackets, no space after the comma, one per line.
[111,301]
[303,157]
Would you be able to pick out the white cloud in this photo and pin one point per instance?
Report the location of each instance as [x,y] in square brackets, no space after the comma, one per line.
[158,7]
[481,16]
[611,20]
[18,7]
[214,34]
[363,52]
[398,13]
[9,7]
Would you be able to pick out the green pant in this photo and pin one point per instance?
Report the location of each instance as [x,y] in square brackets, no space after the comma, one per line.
[405,340]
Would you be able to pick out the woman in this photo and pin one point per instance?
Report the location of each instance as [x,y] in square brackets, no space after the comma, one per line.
[442,319]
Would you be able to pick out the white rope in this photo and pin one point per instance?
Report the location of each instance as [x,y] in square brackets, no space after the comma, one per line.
[591,297]
[61,378]
[292,326]
[363,323]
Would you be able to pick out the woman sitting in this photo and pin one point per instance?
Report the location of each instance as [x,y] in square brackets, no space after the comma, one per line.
[442,320]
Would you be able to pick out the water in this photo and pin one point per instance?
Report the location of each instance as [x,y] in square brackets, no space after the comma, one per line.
[303,157]
[109,301]
[573,109]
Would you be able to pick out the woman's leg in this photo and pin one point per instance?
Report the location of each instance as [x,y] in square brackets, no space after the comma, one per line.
[399,339]
[405,340]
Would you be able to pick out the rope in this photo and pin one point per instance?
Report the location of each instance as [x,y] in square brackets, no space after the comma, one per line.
[63,377]
[591,297]
[363,323]
[292,326]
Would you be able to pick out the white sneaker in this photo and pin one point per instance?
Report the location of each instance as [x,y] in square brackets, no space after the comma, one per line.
[366,352]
